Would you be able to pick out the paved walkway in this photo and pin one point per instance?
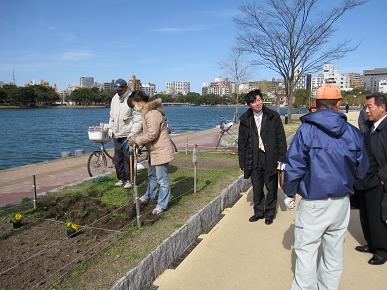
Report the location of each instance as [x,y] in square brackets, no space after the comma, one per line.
[16,183]
[237,254]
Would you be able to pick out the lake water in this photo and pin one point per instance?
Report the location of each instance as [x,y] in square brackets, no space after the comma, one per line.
[34,135]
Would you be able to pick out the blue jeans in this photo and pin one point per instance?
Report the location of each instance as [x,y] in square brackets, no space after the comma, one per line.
[158,179]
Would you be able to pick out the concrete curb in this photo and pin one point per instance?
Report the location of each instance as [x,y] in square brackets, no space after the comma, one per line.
[173,247]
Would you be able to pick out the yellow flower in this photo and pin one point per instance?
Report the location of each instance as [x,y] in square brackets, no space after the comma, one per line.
[18,217]
[74,226]
[71,225]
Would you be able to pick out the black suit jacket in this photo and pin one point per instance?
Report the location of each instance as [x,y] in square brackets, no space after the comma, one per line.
[273,137]
[378,160]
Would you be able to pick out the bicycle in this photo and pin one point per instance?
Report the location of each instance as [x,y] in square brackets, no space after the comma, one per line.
[97,161]
[225,128]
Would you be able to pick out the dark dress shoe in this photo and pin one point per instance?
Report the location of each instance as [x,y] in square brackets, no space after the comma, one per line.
[269,220]
[255,217]
[363,249]
[376,260]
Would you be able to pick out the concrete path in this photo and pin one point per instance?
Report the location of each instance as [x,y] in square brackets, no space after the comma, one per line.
[237,254]
[16,183]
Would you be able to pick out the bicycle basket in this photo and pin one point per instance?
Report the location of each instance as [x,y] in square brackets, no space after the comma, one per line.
[96,134]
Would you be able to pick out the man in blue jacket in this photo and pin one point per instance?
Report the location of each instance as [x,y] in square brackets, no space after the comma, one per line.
[325,157]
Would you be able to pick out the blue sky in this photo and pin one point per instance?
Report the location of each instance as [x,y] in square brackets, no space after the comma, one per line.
[158,41]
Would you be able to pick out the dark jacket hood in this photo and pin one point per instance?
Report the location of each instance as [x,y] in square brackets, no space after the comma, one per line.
[331,122]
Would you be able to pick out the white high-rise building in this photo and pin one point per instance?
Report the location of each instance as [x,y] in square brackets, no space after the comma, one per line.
[317,81]
[331,75]
[221,86]
[86,82]
[149,89]
[178,88]
[383,86]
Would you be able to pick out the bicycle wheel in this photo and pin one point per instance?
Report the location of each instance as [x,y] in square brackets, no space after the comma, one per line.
[96,164]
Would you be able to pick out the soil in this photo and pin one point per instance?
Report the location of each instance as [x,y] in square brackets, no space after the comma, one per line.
[40,250]
[39,253]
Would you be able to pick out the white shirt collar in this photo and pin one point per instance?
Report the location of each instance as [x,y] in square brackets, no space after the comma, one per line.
[259,114]
[377,123]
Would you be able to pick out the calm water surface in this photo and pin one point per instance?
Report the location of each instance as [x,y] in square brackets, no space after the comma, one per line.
[34,135]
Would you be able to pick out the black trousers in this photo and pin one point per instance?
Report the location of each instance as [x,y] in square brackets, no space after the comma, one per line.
[374,228]
[121,160]
[264,205]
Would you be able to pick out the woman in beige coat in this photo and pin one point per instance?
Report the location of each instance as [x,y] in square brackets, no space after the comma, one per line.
[156,139]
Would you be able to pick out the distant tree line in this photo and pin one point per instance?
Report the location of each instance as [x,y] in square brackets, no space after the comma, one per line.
[28,96]
[90,97]
[198,99]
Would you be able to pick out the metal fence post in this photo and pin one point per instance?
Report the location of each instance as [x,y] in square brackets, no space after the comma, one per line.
[34,191]
[186,147]
[135,187]
[194,161]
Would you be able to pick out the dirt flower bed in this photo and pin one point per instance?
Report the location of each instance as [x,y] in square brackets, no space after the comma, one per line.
[40,253]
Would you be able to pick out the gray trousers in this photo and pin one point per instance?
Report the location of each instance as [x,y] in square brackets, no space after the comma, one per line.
[325,223]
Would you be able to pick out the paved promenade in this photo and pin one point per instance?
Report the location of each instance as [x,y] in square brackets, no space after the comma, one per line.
[237,254]
[16,183]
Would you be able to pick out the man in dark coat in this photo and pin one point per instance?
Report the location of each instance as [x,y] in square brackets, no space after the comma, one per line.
[261,145]
[373,199]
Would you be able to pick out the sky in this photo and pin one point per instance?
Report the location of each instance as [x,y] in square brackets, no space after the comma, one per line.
[158,41]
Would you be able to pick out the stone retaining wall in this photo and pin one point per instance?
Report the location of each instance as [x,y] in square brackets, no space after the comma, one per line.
[173,247]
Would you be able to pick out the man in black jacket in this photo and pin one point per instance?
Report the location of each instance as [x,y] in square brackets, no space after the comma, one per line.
[261,145]
[373,193]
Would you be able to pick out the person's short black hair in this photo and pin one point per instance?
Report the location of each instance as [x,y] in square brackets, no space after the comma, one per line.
[252,96]
[379,100]
[130,102]
[326,103]
[138,96]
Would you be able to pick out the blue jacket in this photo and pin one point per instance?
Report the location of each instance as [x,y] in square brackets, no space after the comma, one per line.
[325,156]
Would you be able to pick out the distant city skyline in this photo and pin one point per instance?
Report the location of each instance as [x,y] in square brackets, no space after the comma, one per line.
[159,42]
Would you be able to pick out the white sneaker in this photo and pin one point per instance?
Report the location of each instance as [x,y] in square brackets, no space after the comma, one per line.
[144,199]
[119,183]
[128,185]
[157,211]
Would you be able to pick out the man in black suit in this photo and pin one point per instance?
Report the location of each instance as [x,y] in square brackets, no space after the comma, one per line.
[373,199]
[261,146]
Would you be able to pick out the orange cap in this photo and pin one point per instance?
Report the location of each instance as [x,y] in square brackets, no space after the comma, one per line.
[329,92]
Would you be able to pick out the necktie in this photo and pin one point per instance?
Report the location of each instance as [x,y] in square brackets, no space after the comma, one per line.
[259,123]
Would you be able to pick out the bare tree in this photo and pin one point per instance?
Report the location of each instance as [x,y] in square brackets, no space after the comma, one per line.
[237,69]
[291,37]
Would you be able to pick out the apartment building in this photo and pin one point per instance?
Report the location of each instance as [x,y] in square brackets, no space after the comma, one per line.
[356,80]
[86,82]
[149,89]
[134,83]
[373,77]
[178,88]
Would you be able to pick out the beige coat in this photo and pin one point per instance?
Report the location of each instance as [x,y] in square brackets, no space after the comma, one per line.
[155,135]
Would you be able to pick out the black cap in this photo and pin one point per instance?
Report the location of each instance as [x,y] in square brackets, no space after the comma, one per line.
[119,83]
